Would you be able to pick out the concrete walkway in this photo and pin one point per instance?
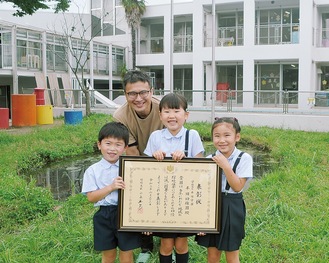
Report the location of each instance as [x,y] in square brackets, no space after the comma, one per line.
[301,122]
[307,120]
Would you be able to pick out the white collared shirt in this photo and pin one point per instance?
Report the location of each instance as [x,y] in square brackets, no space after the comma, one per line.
[99,175]
[165,141]
[243,170]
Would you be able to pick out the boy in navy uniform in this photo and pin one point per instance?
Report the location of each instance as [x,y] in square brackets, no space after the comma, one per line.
[101,183]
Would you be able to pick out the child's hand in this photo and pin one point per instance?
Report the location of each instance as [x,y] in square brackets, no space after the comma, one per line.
[201,234]
[118,183]
[159,155]
[177,155]
[147,233]
[221,161]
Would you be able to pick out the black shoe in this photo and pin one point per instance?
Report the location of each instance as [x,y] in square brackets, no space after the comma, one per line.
[147,244]
[147,250]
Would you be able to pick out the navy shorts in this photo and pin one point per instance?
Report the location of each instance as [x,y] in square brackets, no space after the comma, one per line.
[106,234]
[232,225]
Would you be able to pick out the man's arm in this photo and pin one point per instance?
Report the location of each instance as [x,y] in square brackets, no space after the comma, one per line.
[133,150]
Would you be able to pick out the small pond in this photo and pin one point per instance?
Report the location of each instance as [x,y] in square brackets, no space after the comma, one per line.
[65,178]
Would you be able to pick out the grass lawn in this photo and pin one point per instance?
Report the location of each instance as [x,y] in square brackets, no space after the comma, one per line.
[287,209]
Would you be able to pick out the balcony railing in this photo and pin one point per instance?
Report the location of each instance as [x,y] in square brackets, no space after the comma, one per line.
[276,34]
[183,43]
[227,36]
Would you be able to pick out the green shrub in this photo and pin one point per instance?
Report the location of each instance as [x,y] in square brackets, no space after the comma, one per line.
[22,202]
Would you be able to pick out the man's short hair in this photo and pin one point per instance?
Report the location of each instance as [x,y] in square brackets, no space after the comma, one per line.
[133,76]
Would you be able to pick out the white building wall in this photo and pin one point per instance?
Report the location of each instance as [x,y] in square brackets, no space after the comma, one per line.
[167,49]
[200,56]
[306,64]
[249,54]
[308,56]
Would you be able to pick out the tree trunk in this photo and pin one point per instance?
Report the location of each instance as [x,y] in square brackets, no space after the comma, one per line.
[88,102]
[133,46]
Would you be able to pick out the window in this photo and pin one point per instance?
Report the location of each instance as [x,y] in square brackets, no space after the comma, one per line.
[156,38]
[277,26]
[229,77]
[151,36]
[29,49]
[183,38]
[6,46]
[267,84]
[108,18]
[56,53]
[118,60]
[80,59]
[183,82]
[101,59]
[325,78]
[325,30]
[230,28]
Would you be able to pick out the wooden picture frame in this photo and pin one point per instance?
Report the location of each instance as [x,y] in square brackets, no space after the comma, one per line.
[170,196]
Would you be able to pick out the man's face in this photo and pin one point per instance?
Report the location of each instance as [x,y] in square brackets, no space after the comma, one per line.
[139,97]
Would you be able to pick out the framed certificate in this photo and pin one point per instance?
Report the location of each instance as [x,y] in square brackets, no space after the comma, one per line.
[170,196]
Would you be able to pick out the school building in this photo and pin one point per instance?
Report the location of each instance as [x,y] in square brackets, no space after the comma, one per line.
[252,56]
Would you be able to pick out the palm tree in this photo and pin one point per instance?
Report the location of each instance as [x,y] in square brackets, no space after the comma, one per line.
[134,9]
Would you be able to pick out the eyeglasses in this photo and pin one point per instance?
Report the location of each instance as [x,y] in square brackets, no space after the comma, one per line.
[133,94]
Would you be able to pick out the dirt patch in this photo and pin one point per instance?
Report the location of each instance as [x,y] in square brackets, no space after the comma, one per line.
[28,129]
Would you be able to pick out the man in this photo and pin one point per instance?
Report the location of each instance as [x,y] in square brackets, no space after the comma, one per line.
[140,114]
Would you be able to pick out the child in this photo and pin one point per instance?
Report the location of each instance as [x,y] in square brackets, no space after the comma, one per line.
[101,183]
[171,142]
[225,134]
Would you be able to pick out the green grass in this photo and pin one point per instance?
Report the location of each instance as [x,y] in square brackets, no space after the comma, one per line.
[287,209]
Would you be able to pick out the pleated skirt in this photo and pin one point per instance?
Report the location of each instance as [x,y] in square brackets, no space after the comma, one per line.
[233,215]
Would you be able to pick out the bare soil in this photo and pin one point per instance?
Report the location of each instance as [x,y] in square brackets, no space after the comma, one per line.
[28,129]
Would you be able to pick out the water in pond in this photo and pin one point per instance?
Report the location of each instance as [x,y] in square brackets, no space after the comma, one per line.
[65,178]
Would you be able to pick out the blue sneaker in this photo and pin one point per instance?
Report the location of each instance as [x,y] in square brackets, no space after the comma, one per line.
[143,257]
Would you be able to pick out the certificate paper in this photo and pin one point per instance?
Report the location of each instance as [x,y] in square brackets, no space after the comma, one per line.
[170,196]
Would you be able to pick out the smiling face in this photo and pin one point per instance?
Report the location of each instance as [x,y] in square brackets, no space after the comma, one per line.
[139,97]
[173,119]
[112,148]
[225,137]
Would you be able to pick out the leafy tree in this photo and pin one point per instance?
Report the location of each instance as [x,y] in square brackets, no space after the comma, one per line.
[134,9]
[28,7]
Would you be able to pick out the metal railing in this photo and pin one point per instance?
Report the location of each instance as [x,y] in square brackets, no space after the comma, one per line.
[227,100]
[277,34]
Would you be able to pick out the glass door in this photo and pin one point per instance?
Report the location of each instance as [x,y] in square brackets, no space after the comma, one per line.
[4,96]
[290,82]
